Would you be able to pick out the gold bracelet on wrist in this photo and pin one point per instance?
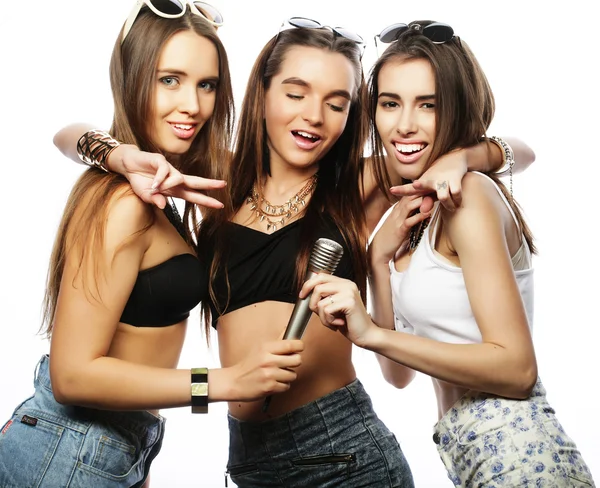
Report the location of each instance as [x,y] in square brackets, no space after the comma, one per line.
[94,147]
[508,159]
[199,390]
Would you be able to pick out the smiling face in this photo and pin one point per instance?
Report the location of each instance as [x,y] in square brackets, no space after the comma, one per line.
[184,96]
[306,106]
[405,115]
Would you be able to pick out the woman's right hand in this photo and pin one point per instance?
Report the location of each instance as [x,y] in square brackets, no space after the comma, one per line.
[396,228]
[266,370]
[153,178]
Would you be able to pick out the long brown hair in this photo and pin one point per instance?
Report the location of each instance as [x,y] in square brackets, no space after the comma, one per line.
[464,103]
[132,73]
[337,192]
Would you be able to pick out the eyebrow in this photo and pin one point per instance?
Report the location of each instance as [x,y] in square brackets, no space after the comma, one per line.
[183,73]
[301,82]
[395,96]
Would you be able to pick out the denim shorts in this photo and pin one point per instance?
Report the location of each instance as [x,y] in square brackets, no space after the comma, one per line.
[488,441]
[337,440]
[49,445]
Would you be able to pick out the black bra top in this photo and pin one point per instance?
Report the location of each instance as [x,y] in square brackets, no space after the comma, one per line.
[261,266]
[166,293]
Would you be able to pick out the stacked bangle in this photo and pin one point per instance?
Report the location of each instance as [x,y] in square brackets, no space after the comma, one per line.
[508,159]
[94,147]
[199,390]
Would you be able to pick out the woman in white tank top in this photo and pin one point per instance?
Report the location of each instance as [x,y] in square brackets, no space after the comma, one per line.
[453,290]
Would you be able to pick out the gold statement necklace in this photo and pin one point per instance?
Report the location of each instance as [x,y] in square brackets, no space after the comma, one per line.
[416,233]
[277,215]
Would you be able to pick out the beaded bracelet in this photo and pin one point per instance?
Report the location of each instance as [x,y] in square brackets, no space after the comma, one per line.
[199,390]
[94,147]
[508,159]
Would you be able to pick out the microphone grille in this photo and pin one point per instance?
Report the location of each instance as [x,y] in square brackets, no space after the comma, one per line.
[325,256]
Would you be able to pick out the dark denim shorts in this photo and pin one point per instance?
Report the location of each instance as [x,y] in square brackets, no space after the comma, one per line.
[337,440]
[49,445]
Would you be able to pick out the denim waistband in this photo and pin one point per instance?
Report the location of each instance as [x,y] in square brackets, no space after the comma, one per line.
[141,423]
[335,413]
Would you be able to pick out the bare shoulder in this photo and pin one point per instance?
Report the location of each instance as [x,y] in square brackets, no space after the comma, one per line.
[128,218]
[481,194]
[482,207]
[127,209]
[115,208]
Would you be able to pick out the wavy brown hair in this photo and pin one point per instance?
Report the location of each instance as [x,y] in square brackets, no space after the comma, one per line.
[132,76]
[338,188]
[464,103]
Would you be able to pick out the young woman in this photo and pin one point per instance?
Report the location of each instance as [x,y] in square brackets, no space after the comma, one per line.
[456,286]
[124,276]
[294,178]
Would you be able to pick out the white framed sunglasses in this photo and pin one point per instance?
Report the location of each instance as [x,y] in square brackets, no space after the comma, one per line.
[306,23]
[173,9]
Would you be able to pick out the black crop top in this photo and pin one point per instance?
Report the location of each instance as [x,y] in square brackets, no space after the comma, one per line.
[166,293]
[262,266]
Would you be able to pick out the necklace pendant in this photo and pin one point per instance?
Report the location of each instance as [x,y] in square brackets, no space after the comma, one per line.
[253,206]
[261,218]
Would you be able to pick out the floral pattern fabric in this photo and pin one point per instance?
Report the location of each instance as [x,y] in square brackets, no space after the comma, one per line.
[486,441]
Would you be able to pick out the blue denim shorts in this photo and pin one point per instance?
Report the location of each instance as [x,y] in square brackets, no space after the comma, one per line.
[489,441]
[337,440]
[49,445]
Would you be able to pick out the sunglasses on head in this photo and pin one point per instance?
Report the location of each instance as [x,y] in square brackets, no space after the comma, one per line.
[304,23]
[436,32]
[173,9]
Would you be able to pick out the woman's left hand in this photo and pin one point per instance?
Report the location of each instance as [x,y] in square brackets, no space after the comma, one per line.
[443,179]
[338,304]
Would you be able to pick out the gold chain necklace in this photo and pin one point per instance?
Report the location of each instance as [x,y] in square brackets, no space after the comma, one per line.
[416,233]
[277,215]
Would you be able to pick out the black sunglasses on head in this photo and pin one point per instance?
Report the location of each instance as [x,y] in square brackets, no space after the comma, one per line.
[304,23]
[436,32]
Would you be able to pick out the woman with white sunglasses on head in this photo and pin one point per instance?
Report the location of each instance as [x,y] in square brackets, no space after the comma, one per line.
[124,276]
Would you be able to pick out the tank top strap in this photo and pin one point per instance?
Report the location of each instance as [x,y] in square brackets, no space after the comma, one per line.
[503,197]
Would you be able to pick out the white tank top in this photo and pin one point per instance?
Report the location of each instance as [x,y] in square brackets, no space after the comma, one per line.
[430,297]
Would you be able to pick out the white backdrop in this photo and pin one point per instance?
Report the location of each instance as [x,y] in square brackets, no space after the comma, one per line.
[539,59]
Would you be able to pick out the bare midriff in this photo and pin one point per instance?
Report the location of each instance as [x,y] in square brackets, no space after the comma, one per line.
[447,395]
[326,359]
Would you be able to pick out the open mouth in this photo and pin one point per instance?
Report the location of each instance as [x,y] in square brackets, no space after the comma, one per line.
[409,149]
[306,135]
[306,140]
[184,131]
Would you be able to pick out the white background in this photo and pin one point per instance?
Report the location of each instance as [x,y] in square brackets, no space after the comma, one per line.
[539,57]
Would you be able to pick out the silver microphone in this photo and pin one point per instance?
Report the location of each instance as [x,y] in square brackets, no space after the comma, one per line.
[324,258]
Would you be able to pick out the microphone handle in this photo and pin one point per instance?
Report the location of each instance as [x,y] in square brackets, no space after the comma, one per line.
[296,325]
[300,315]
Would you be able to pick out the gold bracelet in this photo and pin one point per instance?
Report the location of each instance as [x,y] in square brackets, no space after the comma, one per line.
[199,390]
[508,159]
[94,147]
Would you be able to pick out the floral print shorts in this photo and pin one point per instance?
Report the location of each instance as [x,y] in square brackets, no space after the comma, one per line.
[487,441]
